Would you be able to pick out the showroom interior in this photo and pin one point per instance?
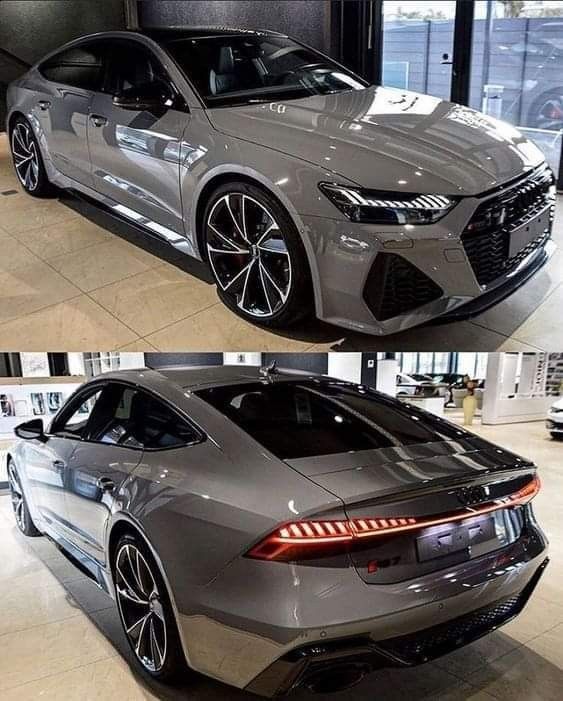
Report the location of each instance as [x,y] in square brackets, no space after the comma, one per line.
[82,272]
[340,478]
[60,633]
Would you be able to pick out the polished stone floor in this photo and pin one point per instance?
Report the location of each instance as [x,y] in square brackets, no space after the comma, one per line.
[60,637]
[73,277]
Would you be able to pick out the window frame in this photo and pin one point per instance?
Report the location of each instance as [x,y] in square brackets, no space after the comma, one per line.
[163,44]
[78,45]
[75,401]
[117,43]
[69,409]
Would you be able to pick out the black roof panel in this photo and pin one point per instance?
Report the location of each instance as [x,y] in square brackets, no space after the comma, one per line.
[164,34]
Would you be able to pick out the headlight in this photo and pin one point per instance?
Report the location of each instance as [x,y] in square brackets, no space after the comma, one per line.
[375,207]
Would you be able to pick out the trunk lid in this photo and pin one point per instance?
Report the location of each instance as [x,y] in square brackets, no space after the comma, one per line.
[426,482]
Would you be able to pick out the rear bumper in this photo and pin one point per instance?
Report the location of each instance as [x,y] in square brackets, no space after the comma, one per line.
[247,628]
[299,666]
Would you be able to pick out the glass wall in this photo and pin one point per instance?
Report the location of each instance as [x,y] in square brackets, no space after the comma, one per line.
[417,46]
[472,364]
[517,68]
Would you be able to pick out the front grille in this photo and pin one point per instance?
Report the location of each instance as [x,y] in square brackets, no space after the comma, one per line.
[395,287]
[486,238]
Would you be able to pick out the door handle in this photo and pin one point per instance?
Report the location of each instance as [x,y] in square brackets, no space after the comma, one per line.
[105,484]
[59,465]
[44,104]
[98,120]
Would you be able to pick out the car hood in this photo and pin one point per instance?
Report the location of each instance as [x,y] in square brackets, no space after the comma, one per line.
[388,139]
[371,474]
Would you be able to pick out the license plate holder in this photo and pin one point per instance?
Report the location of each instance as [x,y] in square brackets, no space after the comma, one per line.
[524,234]
[455,538]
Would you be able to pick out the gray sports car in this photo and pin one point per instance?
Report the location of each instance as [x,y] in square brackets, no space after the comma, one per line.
[302,187]
[274,529]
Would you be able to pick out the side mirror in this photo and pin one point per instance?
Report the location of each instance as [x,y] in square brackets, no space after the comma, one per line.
[155,96]
[139,103]
[30,430]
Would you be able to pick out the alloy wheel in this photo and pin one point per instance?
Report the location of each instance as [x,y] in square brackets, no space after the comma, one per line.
[16,492]
[141,608]
[248,254]
[26,159]
[550,114]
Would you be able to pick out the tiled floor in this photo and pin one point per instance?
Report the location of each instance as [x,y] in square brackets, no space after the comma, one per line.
[60,637]
[74,278]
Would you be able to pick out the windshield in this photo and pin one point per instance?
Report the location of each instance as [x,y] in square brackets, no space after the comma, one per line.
[229,70]
[323,417]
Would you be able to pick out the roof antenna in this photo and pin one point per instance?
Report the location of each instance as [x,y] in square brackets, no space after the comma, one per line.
[268,370]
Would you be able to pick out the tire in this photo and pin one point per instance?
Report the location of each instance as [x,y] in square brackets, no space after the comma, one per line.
[19,505]
[134,563]
[547,111]
[556,436]
[263,277]
[27,159]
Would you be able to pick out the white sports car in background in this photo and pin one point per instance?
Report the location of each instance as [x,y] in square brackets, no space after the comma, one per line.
[554,421]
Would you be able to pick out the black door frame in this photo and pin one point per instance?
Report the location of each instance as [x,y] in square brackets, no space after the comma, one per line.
[361,42]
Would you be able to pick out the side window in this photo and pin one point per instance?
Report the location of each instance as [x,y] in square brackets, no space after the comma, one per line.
[132,418]
[79,67]
[159,426]
[133,70]
[73,422]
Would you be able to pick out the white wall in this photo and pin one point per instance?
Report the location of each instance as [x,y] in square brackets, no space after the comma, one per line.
[345,366]
[21,400]
[501,408]
[386,377]
[242,359]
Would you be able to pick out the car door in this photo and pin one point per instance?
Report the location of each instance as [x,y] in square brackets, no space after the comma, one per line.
[47,461]
[135,151]
[70,79]
[128,424]
[100,465]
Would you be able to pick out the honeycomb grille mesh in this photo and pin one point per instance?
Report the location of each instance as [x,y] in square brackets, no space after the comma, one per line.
[395,286]
[433,642]
[486,238]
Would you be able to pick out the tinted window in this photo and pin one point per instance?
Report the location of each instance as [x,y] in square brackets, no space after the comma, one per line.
[73,420]
[134,69]
[238,69]
[80,67]
[302,419]
[132,418]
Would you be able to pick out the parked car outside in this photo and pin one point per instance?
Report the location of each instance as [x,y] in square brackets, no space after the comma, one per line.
[554,422]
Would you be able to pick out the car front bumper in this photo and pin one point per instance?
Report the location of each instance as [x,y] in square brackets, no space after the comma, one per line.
[554,423]
[385,279]
[267,626]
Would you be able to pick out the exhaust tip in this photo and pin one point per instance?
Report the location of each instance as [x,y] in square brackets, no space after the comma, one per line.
[337,678]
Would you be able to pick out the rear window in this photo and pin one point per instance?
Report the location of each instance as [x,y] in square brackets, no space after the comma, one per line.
[321,417]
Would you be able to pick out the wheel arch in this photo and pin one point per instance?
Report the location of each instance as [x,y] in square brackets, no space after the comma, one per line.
[125,524]
[223,175]
[12,119]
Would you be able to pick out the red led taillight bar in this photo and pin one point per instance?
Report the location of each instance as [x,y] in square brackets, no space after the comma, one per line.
[305,539]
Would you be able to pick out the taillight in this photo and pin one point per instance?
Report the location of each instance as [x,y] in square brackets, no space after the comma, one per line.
[315,538]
